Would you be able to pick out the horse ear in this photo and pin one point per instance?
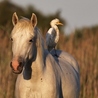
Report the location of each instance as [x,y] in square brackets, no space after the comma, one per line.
[34,20]
[14,19]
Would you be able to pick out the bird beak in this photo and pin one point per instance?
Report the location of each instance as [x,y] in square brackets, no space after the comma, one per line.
[59,23]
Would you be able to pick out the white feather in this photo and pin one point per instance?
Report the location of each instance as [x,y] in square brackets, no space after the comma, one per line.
[52,36]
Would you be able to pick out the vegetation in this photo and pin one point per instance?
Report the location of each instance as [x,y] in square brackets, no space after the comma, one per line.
[82,44]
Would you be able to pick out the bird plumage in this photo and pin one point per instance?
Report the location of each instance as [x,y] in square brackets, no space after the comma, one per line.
[52,36]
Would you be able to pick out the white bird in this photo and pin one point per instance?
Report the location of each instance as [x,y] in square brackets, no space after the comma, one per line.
[52,36]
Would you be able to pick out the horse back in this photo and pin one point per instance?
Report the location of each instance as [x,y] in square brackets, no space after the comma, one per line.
[69,71]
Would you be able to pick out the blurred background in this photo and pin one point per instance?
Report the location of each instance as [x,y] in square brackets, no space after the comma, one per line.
[78,36]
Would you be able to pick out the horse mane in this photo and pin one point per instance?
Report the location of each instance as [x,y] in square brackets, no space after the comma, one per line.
[39,36]
[40,43]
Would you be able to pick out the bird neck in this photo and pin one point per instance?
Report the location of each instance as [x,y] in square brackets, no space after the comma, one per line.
[57,33]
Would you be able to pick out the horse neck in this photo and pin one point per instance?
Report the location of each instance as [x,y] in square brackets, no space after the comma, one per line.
[38,65]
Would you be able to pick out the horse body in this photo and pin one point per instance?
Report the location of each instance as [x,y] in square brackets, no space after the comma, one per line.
[57,81]
[42,84]
[41,75]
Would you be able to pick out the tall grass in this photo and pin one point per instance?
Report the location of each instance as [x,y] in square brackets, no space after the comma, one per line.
[85,49]
[83,46]
[7,78]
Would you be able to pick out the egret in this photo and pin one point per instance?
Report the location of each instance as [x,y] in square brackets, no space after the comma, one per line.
[52,36]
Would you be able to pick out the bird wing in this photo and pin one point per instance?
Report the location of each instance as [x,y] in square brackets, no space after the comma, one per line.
[50,37]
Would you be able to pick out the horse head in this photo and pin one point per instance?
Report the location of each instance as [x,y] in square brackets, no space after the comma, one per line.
[24,43]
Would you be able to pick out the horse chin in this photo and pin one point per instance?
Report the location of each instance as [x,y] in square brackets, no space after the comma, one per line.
[17,72]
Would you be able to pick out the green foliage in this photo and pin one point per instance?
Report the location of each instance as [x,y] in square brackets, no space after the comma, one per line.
[67,38]
[95,29]
[7,9]
[78,34]
[77,37]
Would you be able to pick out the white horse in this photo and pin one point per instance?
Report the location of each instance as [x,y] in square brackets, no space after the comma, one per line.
[40,75]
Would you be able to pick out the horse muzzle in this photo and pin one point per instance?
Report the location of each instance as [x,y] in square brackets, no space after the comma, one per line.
[16,66]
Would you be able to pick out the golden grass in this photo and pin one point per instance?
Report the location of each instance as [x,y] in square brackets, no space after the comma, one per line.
[83,47]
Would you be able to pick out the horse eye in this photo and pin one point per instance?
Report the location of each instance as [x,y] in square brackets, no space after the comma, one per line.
[31,40]
[11,39]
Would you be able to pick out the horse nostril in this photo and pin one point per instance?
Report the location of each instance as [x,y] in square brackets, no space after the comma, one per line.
[20,66]
[20,63]
[11,64]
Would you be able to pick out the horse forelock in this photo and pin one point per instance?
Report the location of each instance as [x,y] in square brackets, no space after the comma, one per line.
[23,18]
[23,26]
